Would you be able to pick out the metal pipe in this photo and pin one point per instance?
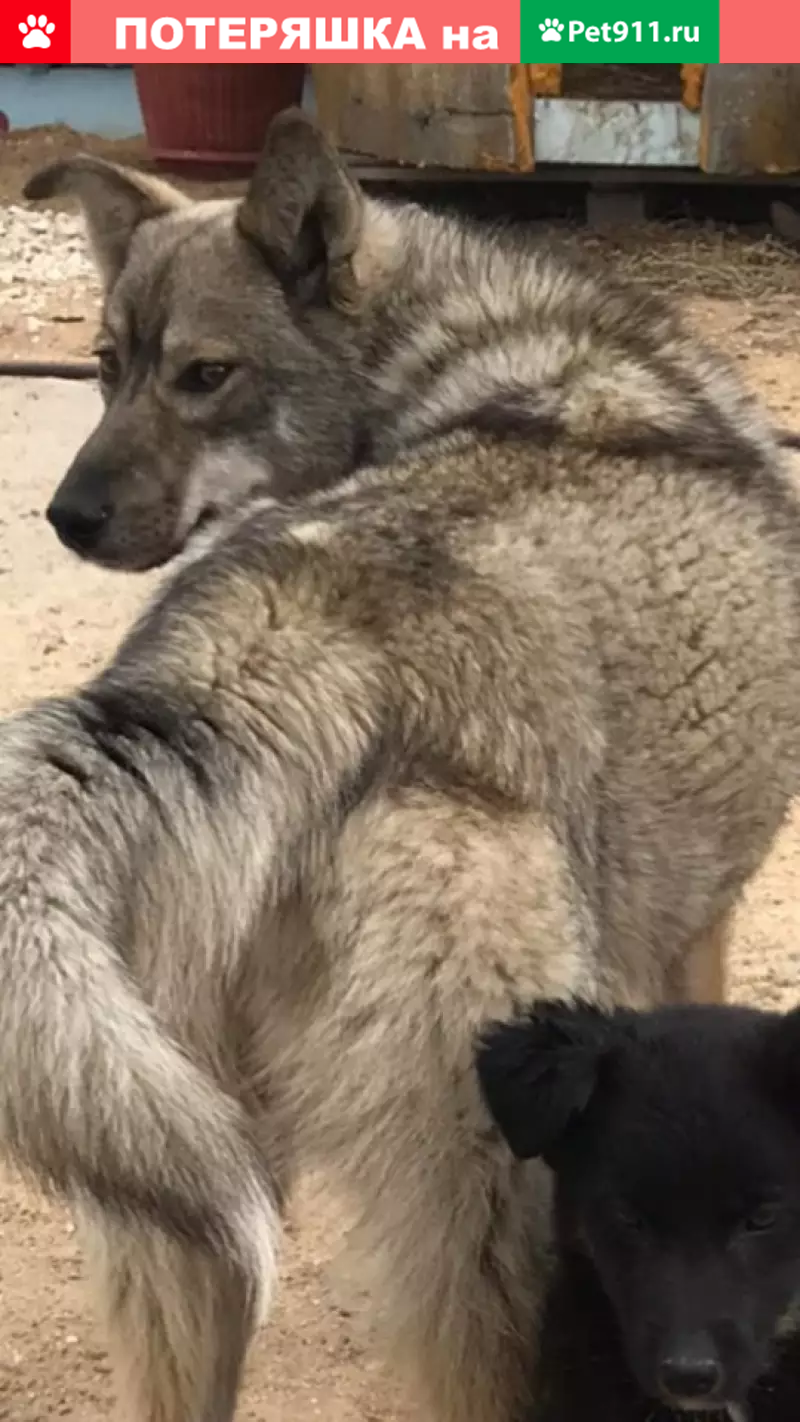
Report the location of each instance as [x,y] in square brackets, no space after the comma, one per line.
[58,369]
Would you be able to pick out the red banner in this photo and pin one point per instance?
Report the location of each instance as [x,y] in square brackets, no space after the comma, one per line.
[129,31]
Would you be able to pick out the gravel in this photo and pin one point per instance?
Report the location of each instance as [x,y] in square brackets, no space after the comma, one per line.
[41,250]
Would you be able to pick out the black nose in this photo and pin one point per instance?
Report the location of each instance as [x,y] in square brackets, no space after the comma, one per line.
[689,1377]
[78,526]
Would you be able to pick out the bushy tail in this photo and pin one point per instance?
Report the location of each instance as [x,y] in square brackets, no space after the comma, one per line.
[96,1099]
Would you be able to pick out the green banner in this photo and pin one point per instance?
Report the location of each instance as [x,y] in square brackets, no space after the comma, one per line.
[621,32]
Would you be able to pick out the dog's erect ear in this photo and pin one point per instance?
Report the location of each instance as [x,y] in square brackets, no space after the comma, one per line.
[114,200]
[303,209]
[780,1061]
[538,1074]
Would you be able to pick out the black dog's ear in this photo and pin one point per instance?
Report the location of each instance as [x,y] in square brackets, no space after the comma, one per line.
[780,1060]
[303,209]
[538,1074]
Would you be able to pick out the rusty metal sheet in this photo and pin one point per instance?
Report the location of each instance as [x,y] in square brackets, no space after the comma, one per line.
[693,78]
[750,119]
[546,80]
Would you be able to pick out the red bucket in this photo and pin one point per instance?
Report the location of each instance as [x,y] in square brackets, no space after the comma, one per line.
[211,119]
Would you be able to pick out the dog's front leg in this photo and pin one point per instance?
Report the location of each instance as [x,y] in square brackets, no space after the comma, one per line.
[699,974]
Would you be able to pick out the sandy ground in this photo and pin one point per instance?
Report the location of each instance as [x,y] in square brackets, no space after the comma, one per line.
[58,620]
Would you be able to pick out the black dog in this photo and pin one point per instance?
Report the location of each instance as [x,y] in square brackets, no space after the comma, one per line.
[675,1140]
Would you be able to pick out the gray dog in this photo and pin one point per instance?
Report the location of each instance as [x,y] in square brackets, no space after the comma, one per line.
[511,713]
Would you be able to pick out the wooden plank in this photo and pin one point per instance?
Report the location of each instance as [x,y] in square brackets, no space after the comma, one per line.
[421,88]
[692,82]
[520,103]
[458,116]
[750,120]
[397,175]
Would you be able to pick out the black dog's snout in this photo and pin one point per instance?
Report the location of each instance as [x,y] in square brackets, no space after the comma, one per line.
[690,1375]
[79,526]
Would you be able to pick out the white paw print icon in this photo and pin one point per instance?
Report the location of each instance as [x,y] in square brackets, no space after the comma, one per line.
[37,32]
[551,29]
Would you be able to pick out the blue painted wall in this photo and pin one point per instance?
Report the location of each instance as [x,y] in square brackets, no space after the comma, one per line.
[90,98]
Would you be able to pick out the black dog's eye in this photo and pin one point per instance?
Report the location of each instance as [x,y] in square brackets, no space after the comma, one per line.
[762,1218]
[108,367]
[203,377]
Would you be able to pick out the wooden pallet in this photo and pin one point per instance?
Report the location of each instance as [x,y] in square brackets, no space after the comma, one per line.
[490,118]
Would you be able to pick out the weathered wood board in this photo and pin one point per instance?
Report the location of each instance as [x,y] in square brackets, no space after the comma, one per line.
[438,115]
[750,119]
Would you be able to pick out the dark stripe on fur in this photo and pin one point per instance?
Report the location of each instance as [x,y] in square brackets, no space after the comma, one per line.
[61,762]
[120,720]
[708,442]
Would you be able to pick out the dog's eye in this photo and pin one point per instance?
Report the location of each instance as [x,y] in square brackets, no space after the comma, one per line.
[762,1218]
[108,367]
[203,377]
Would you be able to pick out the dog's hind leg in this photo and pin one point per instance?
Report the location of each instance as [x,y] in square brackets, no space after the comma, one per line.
[462,1309]
[443,917]
[179,1323]
[700,973]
